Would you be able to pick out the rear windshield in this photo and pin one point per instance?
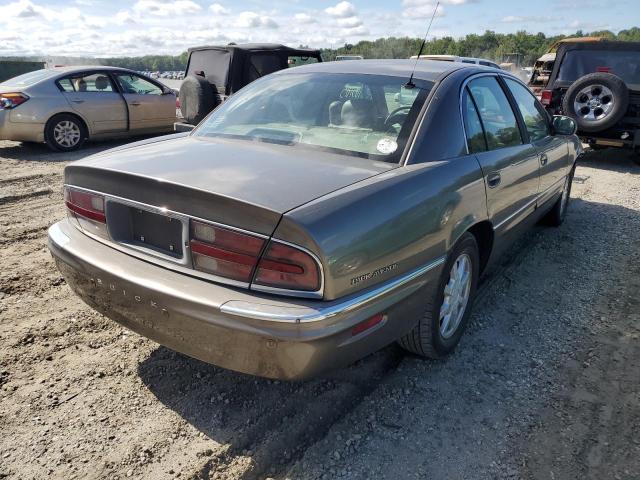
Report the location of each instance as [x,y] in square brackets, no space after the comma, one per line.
[214,65]
[577,63]
[30,78]
[367,116]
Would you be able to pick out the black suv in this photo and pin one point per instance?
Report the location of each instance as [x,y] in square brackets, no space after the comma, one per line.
[213,73]
[598,85]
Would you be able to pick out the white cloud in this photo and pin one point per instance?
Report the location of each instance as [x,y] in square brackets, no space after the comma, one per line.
[528,18]
[349,22]
[341,10]
[304,18]
[218,9]
[254,20]
[166,9]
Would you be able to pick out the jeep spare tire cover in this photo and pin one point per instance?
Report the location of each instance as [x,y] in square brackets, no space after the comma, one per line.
[596,101]
[197,99]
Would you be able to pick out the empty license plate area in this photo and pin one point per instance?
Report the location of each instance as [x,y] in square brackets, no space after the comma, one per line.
[145,230]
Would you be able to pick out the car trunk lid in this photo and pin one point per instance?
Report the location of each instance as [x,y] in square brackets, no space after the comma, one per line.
[244,184]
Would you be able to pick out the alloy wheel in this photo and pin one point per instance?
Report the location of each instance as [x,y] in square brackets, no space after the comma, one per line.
[67,134]
[594,102]
[456,296]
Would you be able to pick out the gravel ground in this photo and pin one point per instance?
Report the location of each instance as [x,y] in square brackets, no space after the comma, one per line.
[545,384]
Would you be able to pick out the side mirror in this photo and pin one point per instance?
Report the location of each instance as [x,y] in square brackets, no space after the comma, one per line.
[564,125]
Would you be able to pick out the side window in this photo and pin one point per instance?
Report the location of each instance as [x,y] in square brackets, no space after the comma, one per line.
[532,112]
[472,126]
[498,119]
[137,85]
[95,82]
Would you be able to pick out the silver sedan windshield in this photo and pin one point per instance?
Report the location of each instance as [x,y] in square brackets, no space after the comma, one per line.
[368,116]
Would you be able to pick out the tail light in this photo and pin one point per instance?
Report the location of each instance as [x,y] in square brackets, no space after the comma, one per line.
[224,252]
[284,266]
[546,97]
[236,255]
[84,204]
[12,100]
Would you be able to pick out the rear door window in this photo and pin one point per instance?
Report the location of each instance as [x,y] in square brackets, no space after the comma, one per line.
[472,126]
[87,82]
[261,64]
[535,119]
[499,121]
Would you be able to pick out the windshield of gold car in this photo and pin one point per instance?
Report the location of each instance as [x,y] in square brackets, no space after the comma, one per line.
[368,116]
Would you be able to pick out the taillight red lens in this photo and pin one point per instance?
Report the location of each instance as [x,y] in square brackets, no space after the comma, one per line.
[224,252]
[87,205]
[12,100]
[546,97]
[284,266]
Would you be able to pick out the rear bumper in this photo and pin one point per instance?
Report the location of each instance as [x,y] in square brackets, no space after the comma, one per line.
[614,137]
[19,132]
[232,328]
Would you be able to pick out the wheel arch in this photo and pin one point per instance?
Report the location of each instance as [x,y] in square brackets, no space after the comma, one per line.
[484,235]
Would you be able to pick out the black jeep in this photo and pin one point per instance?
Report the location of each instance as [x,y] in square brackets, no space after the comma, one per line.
[598,85]
[214,73]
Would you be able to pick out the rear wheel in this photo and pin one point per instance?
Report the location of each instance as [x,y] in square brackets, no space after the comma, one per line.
[449,307]
[65,133]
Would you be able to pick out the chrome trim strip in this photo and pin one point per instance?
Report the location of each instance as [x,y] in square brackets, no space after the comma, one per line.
[184,265]
[516,213]
[275,313]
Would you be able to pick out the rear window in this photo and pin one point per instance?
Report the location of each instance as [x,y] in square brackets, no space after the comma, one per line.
[213,63]
[368,116]
[30,78]
[577,63]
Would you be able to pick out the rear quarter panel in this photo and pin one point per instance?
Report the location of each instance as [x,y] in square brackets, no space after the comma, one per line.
[389,224]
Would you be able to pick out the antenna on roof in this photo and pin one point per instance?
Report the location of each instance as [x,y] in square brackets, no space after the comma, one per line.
[410,83]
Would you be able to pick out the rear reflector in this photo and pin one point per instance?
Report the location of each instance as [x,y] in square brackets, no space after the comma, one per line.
[87,205]
[547,96]
[367,324]
[224,252]
[284,266]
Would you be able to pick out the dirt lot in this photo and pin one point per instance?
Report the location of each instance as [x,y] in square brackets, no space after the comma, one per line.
[545,384]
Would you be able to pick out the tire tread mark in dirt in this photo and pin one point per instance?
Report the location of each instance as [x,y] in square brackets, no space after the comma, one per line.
[16,198]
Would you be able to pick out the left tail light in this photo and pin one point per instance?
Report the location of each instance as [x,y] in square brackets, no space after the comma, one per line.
[12,100]
[87,205]
[88,210]
[546,97]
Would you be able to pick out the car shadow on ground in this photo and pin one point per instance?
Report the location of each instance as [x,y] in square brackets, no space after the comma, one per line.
[39,152]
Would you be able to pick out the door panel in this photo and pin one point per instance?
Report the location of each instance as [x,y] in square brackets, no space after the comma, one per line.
[93,97]
[511,179]
[149,107]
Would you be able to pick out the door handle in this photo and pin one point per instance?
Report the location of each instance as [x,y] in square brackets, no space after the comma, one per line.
[135,104]
[543,159]
[493,180]
[77,101]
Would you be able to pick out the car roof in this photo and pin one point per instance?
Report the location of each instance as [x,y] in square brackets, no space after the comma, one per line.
[430,70]
[84,68]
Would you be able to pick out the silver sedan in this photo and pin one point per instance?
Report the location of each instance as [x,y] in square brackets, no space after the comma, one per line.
[64,107]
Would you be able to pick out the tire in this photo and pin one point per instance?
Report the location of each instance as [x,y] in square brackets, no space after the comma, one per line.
[65,132]
[429,338]
[555,217]
[197,99]
[596,101]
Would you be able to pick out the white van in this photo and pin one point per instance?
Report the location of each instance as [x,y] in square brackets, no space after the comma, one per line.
[454,58]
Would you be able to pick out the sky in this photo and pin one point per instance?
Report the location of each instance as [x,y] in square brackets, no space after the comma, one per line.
[140,27]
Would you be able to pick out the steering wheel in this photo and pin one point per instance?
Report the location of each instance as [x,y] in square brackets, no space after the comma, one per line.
[396,115]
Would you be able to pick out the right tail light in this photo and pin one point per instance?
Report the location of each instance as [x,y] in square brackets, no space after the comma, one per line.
[288,267]
[546,97]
